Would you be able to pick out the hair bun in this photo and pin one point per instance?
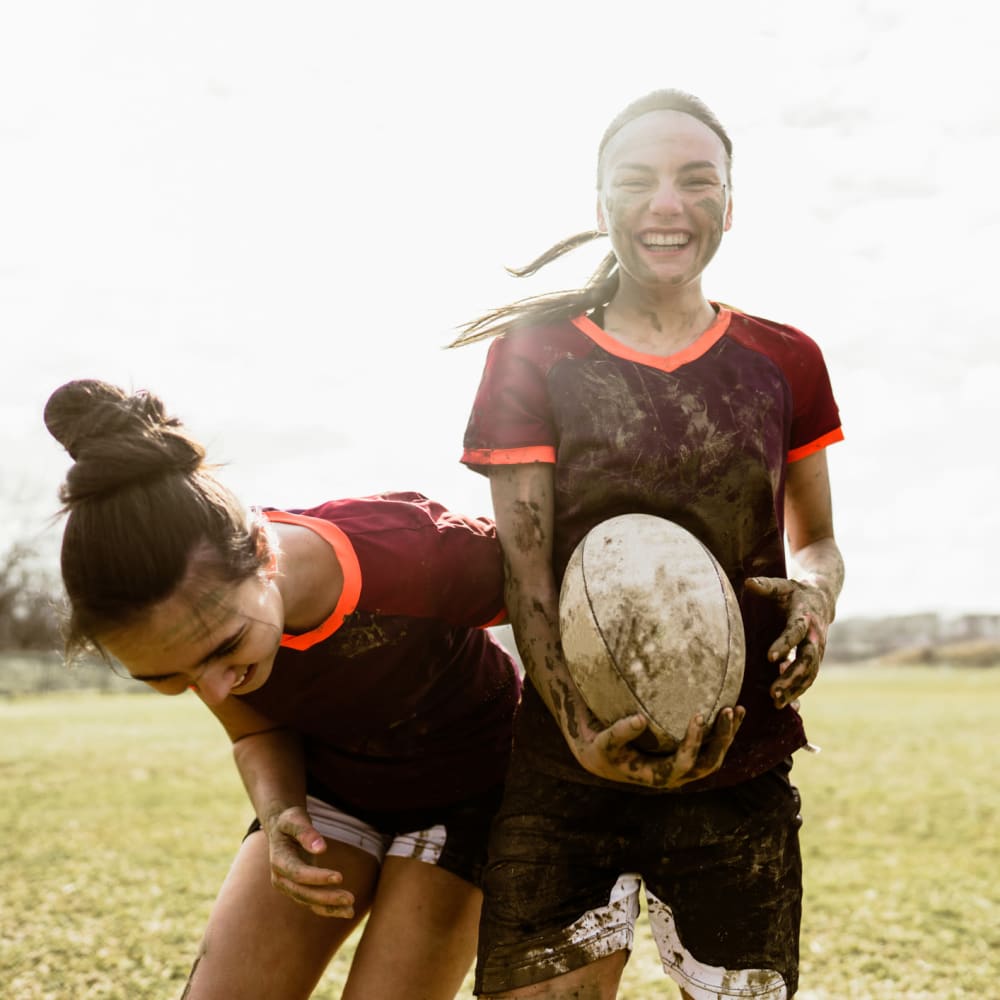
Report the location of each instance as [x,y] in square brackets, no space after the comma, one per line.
[70,410]
[116,439]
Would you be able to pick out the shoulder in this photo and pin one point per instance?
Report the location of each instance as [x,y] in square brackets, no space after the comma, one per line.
[382,512]
[407,523]
[787,346]
[767,332]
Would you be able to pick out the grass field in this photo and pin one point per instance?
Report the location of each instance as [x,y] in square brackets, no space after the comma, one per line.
[121,814]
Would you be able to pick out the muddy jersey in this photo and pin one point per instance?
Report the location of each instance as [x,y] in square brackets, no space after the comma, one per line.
[403,699]
[702,437]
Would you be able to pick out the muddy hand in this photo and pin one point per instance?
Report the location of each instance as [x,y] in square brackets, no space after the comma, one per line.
[292,840]
[800,647]
[700,753]
[703,750]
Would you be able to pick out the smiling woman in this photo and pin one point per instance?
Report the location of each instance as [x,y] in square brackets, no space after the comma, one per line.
[343,649]
[637,394]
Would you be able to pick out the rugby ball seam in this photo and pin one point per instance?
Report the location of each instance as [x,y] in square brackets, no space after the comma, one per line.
[595,617]
[631,567]
[724,587]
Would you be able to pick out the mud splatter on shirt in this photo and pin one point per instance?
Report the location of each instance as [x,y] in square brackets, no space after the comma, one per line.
[702,438]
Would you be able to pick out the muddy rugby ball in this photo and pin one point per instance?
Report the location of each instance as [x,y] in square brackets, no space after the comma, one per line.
[650,624]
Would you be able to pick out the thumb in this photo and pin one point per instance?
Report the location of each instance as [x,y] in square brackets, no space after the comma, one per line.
[768,586]
[296,823]
[310,838]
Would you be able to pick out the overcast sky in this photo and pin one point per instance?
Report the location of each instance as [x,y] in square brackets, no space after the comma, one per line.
[274,215]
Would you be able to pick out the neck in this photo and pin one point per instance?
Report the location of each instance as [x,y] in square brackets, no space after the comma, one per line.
[662,323]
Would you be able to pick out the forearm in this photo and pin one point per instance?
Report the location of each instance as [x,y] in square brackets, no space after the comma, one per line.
[272,767]
[523,502]
[821,565]
[533,609]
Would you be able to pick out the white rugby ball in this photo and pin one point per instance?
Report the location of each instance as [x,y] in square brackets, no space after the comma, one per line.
[650,623]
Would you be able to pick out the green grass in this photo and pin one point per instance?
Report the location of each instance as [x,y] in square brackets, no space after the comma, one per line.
[121,815]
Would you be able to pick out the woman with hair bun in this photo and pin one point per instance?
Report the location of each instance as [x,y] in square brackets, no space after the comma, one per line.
[343,648]
[637,394]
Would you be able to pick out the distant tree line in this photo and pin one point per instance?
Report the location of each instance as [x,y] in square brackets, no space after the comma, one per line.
[31,601]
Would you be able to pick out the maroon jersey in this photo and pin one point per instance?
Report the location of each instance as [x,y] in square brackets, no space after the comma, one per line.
[702,437]
[404,701]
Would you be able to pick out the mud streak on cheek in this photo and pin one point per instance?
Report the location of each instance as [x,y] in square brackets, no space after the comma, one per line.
[715,212]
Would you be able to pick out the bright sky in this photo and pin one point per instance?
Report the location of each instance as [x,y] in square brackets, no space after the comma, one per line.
[273,215]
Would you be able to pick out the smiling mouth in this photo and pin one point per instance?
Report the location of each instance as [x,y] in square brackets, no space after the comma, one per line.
[661,241]
[241,680]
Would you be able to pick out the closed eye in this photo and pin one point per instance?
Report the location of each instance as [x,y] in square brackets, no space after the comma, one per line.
[700,183]
[633,183]
[225,648]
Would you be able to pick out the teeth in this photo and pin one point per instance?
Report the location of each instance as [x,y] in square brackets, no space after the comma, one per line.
[241,678]
[665,239]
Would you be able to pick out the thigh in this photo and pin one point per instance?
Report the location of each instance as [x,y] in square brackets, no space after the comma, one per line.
[261,944]
[420,937]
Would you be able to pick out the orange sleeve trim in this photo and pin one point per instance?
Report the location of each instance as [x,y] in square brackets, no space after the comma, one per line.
[349,565]
[672,362]
[509,456]
[818,445]
[498,619]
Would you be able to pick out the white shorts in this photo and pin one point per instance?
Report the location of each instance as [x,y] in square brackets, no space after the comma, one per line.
[421,845]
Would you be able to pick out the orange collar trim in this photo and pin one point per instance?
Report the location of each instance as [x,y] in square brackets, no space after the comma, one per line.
[349,565]
[668,364]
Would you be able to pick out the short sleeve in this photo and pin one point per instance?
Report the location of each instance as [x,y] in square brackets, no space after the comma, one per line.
[462,578]
[511,421]
[419,559]
[815,421]
[815,416]
[405,555]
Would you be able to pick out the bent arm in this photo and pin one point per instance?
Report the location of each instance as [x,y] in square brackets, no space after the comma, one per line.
[268,757]
[809,524]
[272,767]
[523,502]
[809,596]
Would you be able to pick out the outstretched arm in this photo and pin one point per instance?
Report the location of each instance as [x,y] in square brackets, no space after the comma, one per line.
[523,502]
[809,598]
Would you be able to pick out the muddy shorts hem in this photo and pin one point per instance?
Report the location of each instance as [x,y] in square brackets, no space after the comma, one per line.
[721,870]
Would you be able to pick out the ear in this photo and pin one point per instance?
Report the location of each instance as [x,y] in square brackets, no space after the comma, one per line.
[728,221]
[268,547]
[602,222]
[271,568]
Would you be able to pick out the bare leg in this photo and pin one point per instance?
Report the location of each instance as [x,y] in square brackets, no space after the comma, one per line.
[421,935]
[261,944]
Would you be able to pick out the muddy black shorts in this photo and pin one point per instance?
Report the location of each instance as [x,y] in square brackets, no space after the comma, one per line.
[721,870]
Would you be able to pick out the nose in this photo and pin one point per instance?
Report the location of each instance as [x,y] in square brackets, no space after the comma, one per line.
[215,683]
[666,199]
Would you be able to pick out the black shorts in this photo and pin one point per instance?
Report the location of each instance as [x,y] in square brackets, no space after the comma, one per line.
[721,868]
[453,837]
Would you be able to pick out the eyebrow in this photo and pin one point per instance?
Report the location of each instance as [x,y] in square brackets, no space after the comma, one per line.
[646,168]
[231,641]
